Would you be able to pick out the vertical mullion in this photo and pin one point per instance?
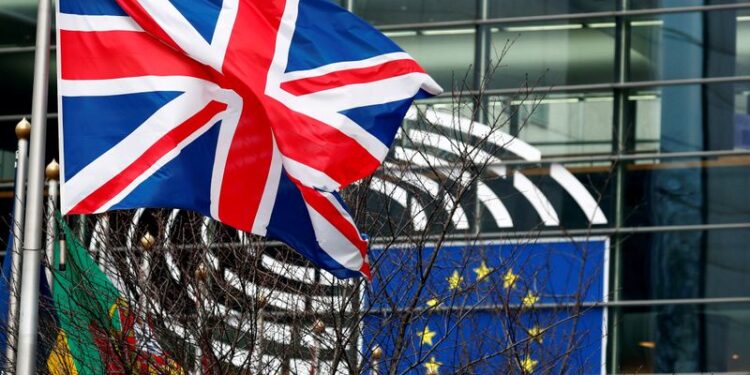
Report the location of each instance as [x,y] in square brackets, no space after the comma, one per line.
[481,61]
[481,56]
[619,147]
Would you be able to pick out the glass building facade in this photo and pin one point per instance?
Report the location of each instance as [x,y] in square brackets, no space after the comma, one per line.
[645,101]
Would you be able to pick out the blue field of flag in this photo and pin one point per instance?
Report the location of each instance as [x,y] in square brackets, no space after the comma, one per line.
[491,308]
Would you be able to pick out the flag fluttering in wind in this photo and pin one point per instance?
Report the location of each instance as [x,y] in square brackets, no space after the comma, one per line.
[253,112]
[98,333]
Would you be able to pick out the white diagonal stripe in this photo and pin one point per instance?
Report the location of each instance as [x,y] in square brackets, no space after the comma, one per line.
[361,94]
[399,194]
[334,243]
[166,158]
[457,147]
[309,176]
[541,204]
[579,193]
[320,105]
[130,85]
[432,188]
[187,37]
[271,189]
[197,93]
[494,205]
[119,157]
[481,131]
[230,122]
[76,22]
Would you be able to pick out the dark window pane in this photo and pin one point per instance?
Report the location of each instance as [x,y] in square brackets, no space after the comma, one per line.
[381,12]
[553,54]
[691,118]
[690,45]
[650,4]
[688,192]
[689,264]
[685,339]
[446,54]
[17,22]
[519,8]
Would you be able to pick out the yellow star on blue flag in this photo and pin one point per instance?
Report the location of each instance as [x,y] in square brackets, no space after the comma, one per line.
[425,336]
[528,365]
[454,282]
[482,271]
[433,366]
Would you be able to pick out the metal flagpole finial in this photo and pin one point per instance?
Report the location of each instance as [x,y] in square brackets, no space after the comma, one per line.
[377,353]
[201,273]
[376,356]
[318,327]
[53,169]
[147,241]
[23,129]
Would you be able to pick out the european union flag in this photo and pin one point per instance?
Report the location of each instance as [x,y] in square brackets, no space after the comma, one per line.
[490,308]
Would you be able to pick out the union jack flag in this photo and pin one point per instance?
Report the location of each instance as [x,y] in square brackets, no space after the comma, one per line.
[253,112]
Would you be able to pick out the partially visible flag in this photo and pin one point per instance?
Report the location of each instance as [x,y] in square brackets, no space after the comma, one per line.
[98,334]
[46,316]
[253,112]
[5,298]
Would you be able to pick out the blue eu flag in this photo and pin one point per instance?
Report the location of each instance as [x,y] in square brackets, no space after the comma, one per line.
[490,308]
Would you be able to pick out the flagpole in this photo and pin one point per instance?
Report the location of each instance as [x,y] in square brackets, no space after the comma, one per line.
[256,358]
[201,275]
[53,175]
[376,356]
[318,329]
[32,247]
[23,129]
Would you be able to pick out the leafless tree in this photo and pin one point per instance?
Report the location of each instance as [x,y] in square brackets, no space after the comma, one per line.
[215,300]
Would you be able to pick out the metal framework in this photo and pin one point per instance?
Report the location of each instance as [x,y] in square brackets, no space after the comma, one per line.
[619,86]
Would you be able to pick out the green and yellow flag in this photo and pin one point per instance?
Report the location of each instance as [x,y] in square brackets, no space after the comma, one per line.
[97,330]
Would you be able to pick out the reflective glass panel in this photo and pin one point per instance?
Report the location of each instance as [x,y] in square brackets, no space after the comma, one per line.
[7,165]
[691,117]
[6,207]
[649,4]
[685,339]
[383,12]
[686,264]
[690,45]
[520,8]
[688,192]
[446,54]
[559,124]
[552,54]
[17,22]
